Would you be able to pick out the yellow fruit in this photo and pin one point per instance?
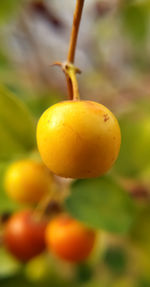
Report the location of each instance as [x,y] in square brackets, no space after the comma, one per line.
[27,181]
[78,139]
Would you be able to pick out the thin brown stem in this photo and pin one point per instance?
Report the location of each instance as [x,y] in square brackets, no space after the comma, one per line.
[75,29]
[73,40]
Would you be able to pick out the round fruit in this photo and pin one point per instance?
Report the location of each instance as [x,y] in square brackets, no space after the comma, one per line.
[24,235]
[69,239]
[78,139]
[27,181]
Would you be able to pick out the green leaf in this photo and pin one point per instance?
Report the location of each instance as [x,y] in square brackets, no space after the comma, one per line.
[17,127]
[101,203]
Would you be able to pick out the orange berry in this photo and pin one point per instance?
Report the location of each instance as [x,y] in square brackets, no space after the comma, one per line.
[69,239]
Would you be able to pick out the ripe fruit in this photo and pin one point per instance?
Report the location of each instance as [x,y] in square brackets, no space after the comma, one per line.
[78,139]
[27,181]
[24,235]
[69,239]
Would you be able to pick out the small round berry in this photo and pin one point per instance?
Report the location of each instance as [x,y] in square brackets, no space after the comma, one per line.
[27,181]
[24,235]
[78,139]
[69,239]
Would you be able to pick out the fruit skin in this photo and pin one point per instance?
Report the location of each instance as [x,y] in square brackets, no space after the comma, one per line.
[69,239]
[24,235]
[78,139]
[27,181]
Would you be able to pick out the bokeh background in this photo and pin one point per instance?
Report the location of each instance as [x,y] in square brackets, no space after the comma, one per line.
[114,55]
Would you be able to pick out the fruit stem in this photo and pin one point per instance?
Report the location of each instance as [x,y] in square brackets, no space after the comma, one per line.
[52,203]
[72,75]
[72,46]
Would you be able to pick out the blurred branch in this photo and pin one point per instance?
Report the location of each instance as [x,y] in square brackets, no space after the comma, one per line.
[39,7]
[135,187]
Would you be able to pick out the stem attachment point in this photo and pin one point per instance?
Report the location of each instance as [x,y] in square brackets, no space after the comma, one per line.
[70,71]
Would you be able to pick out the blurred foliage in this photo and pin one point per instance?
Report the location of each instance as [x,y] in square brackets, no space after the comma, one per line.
[135,18]
[121,47]
[17,127]
[143,283]
[140,233]
[101,203]
[8,8]
[135,153]
[115,259]
[9,266]
[39,104]
[84,273]
[38,269]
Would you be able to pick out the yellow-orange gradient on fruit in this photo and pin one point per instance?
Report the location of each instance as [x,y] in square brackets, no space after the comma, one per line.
[27,181]
[69,239]
[78,139]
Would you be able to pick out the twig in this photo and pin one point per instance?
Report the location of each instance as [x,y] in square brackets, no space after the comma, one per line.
[73,41]
[75,29]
